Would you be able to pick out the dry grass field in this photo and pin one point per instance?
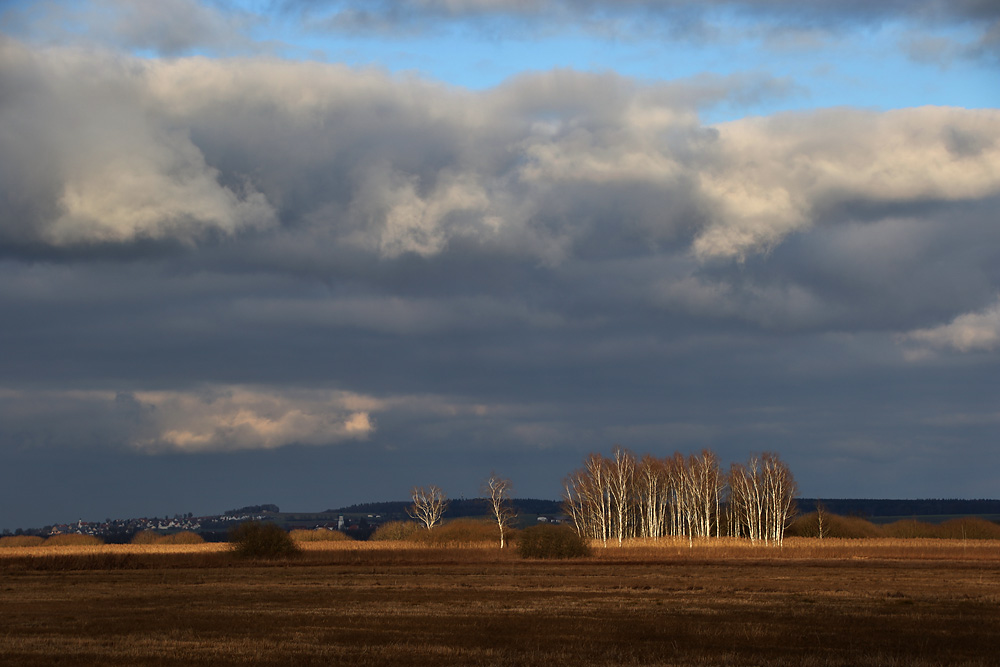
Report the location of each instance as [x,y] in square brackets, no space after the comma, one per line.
[829,602]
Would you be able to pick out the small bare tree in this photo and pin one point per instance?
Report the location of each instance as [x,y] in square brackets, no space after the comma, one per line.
[428,505]
[820,516]
[499,497]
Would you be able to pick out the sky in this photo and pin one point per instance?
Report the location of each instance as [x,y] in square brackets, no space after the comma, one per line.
[319,253]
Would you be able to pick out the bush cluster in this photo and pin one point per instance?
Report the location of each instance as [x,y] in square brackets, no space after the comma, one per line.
[458,531]
[318,535]
[183,537]
[253,539]
[969,528]
[393,531]
[834,525]
[152,537]
[22,541]
[548,541]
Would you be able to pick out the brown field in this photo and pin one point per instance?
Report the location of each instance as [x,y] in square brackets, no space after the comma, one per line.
[830,602]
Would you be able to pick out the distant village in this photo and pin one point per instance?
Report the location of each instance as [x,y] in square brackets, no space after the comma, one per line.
[121,530]
[357,521]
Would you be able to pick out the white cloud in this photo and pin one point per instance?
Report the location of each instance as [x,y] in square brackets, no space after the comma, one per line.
[971,332]
[102,148]
[213,418]
[230,418]
[88,157]
[773,176]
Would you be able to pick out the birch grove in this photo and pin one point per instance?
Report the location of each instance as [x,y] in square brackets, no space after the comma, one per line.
[619,497]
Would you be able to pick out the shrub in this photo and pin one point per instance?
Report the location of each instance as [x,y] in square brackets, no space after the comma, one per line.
[969,528]
[22,541]
[548,541]
[183,537]
[152,537]
[459,531]
[910,528]
[253,539]
[834,525]
[146,537]
[73,540]
[395,530]
[318,535]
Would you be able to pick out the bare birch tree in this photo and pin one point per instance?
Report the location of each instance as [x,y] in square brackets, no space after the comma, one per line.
[428,505]
[498,491]
[653,497]
[820,517]
[762,498]
[621,489]
[588,498]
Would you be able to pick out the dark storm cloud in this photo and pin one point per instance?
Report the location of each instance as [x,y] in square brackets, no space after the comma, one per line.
[169,27]
[183,27]
[252,255]
[644,19]
[809,12]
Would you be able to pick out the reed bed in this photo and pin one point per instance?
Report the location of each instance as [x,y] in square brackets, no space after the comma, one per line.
[634,550]
[84,550]
[800,548]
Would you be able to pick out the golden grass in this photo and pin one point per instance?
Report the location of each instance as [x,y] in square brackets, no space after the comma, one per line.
[800,548]
[634,550]
[73,540]
[117,549]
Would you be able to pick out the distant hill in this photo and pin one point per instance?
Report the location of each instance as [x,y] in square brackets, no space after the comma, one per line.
[458,507]
[875,508]
[253,509]
[871,508]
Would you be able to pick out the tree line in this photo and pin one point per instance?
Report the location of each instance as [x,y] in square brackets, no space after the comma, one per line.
[619,497]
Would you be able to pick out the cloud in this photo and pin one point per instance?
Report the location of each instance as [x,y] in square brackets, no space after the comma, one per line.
[354,14]
[782,23]
[230,418]
[777,175]
[213,418]
[89,160]
[969,332]
[113,150]
[937,30]
[169,27]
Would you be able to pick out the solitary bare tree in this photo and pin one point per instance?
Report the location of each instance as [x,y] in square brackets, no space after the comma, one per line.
[820,516]
[428,505]
[499,497]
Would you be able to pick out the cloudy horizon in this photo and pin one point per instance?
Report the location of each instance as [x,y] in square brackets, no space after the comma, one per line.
[314,254]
